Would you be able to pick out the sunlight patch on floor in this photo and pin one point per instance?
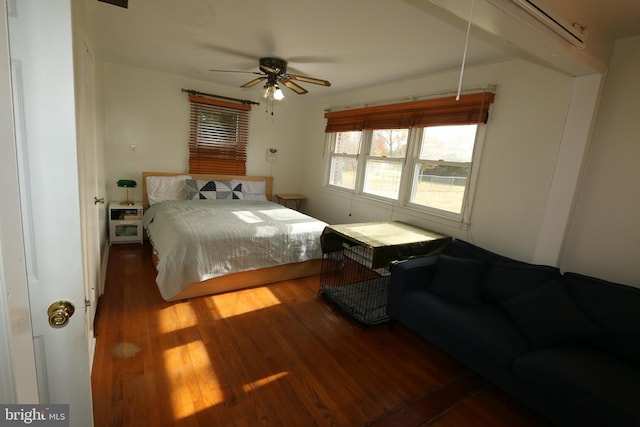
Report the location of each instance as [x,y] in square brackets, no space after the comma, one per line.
[195,370]
[263,381]
[245,301]
[172,319]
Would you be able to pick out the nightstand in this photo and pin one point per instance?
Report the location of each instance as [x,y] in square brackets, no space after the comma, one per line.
[283,199]
[125,223]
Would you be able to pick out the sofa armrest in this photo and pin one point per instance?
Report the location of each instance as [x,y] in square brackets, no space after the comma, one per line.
[407,276]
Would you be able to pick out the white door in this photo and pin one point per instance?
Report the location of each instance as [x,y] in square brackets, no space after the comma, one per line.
[42,82]
[18,368]
[90,199]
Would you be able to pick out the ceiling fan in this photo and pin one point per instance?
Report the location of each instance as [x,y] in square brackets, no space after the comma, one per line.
[274,71]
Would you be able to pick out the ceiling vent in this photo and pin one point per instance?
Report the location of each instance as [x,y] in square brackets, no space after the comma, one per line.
[531,14]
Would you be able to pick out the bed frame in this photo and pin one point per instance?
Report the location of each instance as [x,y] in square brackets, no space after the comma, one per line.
[235,281]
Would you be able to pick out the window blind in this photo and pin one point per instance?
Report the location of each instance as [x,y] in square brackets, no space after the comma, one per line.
[469,109]
[218,136]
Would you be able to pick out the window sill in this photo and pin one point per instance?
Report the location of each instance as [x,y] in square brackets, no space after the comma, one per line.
[408,211]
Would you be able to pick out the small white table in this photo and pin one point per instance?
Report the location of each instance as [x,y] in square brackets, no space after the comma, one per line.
[125,223]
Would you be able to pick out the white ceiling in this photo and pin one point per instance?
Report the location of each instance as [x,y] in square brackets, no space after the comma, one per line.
[352,43]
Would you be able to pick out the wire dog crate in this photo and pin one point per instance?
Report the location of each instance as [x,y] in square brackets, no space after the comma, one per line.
[357,259]
[348,280]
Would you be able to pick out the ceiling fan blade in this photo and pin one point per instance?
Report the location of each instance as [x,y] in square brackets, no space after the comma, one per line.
[237,71]
[228,51]
[309,80]
[269,70]
[254,82]
[293,86]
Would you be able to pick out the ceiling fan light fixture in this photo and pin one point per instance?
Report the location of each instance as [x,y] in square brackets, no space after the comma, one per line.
[272,92]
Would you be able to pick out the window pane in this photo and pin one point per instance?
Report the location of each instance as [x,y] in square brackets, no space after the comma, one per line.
[382,178]
[348,142]
[441,187]
[389,143]
[448,143]
[343,172]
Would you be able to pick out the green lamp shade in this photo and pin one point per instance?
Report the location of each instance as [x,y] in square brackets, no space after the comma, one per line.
[129,183]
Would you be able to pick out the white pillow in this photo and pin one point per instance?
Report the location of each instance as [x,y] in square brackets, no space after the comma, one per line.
[261,197]
[252,190]
[163,188]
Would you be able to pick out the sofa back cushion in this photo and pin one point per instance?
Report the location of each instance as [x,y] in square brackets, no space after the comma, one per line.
[614,308]
[458,279]
[549,317]
[508,279]
[505,277]
[461,249]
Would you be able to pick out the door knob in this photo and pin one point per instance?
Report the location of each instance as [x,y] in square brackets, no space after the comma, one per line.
[96,200]
[59,313]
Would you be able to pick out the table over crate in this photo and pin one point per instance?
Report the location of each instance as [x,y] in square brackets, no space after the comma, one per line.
[356,261]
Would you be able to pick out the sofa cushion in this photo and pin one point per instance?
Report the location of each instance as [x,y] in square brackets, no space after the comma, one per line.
[614,308]
[461,249]
[548,316]
[584,379]
[483,329]
[507,279]
[458,279]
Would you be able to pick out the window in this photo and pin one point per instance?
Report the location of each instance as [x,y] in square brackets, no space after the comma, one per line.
[442,167]
[417,154]
[218,137]
[386,154]
[344,157]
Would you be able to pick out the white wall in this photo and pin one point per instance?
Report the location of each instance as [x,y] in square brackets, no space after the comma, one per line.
[603,238]
[522,141]
[148,109]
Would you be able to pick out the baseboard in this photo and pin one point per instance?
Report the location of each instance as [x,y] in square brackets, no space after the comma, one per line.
[103,267]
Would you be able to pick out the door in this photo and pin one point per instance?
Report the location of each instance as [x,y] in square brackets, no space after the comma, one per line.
[90,198]
[43,86]
[18,368]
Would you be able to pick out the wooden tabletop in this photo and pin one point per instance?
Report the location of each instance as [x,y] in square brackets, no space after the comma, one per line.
[297,198]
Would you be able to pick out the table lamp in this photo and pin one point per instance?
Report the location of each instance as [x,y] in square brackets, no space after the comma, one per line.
[126,183]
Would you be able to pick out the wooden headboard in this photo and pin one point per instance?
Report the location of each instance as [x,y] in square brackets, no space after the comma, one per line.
[268,180]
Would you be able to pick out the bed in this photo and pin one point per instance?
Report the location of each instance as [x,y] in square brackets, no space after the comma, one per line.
[218,233]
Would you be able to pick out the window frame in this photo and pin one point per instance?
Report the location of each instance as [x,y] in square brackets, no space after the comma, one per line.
[408,172]
[343,155]
[368,140]
[469,191]
[468,109]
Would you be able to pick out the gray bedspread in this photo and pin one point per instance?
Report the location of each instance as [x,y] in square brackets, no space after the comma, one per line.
[199,240]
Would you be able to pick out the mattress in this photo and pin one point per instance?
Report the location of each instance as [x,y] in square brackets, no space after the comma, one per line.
[196,240]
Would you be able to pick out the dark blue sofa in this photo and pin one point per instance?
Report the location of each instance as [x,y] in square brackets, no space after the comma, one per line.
[567,345]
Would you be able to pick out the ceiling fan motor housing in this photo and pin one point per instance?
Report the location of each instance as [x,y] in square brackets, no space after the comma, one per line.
[274,71]
[277,64]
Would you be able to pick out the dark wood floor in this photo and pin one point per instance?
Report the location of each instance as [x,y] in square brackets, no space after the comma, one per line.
[270,356]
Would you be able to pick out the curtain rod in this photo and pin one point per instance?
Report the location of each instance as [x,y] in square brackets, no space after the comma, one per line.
[452,92]
[242,101]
